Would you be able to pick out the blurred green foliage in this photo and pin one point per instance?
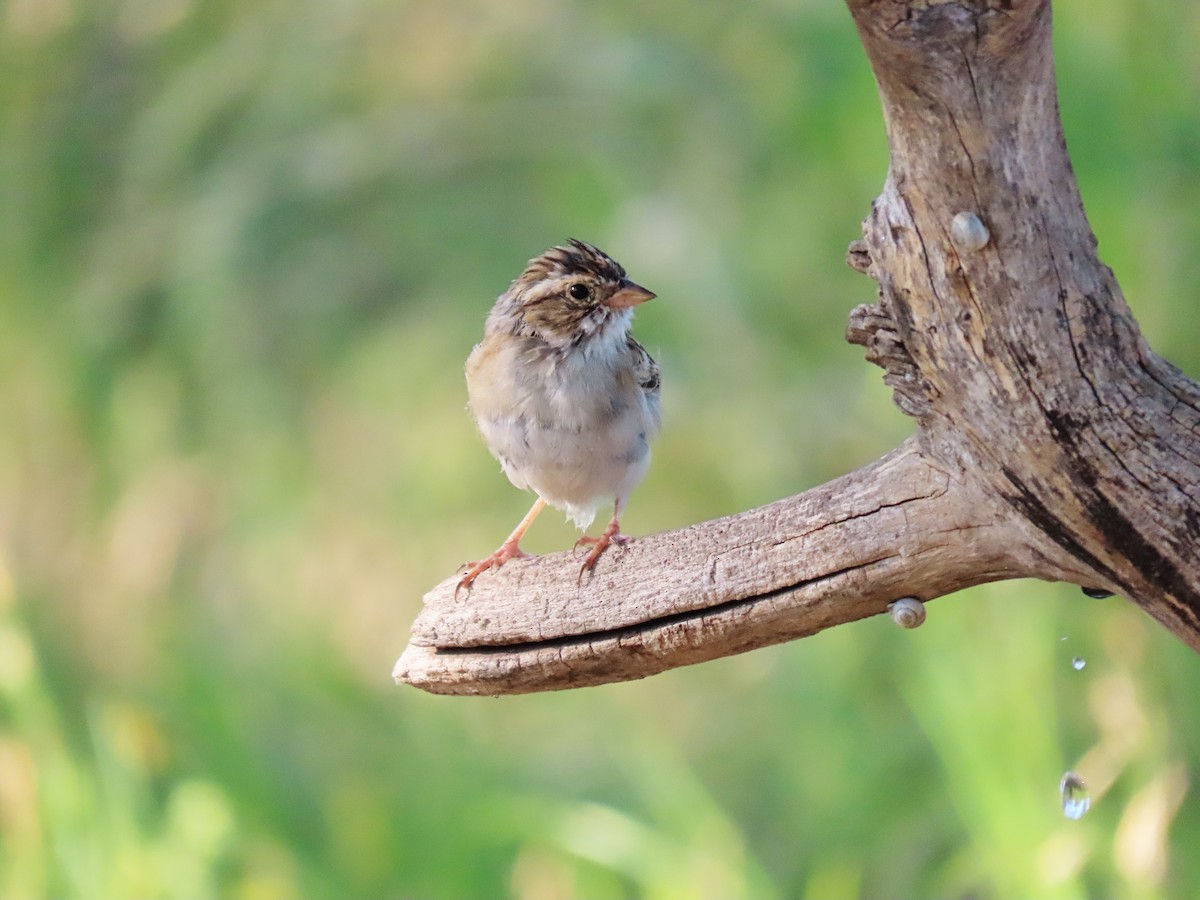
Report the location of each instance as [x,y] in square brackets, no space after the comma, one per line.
[245,249]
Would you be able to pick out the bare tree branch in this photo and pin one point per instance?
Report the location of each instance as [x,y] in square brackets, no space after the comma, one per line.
[840,552]
[1038,386]
[1051,442]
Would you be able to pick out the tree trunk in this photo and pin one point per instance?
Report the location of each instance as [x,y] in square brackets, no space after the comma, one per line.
[1051,442]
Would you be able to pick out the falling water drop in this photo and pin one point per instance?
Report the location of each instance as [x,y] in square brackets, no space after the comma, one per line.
[1097,593]
[1078,663]
[1074,793]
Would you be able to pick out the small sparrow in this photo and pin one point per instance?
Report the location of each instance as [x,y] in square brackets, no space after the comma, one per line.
[565,398]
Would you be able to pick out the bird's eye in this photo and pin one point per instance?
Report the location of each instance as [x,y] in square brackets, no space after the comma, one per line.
[579,291]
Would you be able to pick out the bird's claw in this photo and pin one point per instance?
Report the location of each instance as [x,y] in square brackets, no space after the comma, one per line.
[599,545]
[495,561]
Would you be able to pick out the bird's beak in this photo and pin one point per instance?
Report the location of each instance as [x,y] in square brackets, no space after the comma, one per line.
[629,295]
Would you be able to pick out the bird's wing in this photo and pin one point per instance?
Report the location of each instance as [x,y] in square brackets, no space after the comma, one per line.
[645,369]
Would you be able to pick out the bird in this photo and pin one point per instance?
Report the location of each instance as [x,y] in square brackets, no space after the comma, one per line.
[564,396]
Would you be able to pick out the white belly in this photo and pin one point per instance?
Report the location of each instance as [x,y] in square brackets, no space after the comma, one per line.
[578,436]
[572,470]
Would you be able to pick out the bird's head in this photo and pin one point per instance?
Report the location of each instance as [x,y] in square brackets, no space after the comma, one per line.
[574,293]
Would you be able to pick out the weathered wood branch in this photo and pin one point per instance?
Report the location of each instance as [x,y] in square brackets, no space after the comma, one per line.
[834,554]
[1039,386]
[1051,442]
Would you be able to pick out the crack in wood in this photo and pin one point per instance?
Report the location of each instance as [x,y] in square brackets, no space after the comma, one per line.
[1062,464]
[626,631]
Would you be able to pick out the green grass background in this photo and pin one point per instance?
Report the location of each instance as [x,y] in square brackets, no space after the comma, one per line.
[245,248]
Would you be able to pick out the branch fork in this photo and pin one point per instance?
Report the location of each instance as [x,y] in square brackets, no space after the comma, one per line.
[1050,442]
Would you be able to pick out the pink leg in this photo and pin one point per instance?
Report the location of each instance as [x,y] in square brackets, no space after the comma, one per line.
[508,550]
[610,535]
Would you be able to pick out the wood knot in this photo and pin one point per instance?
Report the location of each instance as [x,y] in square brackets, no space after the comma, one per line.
[872,327]
[858,257]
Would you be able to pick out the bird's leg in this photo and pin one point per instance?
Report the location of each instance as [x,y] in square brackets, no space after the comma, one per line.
[508,550]
[610,535]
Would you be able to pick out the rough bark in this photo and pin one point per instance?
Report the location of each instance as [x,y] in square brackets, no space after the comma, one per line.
[1051,442]
[1043,391]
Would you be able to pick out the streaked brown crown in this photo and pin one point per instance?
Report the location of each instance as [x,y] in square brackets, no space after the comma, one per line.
[562,293]
[577,258]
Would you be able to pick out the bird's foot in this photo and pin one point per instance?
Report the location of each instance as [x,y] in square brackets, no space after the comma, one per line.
[610,535]
[508,550]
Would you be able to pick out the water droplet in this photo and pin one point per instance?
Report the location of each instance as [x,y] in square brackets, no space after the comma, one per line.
[1078,663]
[1074,793]
[1097,593]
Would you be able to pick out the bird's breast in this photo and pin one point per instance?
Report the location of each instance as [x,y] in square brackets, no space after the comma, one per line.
[573,426]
